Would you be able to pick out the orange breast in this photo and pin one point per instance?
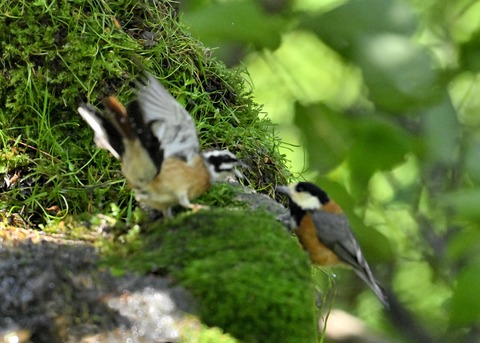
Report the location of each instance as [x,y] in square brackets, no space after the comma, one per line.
[332,207]
[318,252]
[175,179]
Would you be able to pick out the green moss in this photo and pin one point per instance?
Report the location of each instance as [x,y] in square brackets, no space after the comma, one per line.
[222,195]
[249,275]
[196,332]
[55,54]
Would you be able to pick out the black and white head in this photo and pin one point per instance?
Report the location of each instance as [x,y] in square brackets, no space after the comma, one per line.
[305,195]
[221,164]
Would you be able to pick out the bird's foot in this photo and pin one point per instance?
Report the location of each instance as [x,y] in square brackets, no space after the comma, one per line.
[197,207]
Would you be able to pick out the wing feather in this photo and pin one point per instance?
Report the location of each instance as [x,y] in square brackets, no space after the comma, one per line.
[106,135]
[334,232]
[169,121]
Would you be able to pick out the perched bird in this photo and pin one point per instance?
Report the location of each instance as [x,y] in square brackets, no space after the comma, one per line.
[324,232]
[156,140]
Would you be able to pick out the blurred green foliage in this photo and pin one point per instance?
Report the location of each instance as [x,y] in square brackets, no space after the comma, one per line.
[383,95]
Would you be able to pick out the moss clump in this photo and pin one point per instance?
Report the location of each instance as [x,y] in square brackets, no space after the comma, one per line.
[55,54]
[249,276]
[193,331]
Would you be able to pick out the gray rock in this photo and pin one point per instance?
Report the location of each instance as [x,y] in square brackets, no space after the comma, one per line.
[55,292]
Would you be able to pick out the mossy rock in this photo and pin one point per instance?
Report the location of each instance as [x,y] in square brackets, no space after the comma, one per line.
[249,276]
[55,54]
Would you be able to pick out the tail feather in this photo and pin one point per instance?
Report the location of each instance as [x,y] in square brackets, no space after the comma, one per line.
[366,275]
[107,135]
[120,118]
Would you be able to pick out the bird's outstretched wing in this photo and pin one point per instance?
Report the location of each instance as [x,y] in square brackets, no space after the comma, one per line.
[169,122]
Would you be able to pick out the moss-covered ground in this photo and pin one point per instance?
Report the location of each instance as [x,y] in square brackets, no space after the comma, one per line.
[252,278]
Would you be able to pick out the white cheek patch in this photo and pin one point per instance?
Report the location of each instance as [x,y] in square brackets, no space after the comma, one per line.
[305,200]
[226,166]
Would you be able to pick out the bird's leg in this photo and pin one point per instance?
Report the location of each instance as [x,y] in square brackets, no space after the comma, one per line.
[185,202]
[167,212]
[197,207]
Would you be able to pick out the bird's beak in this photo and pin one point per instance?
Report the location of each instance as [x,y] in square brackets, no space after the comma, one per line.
[283,189]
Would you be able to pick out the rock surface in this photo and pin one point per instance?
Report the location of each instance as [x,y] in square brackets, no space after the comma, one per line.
[55,292]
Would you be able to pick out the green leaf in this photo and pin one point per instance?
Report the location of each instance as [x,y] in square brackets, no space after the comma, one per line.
[464,244]
[237,21]
[346,24]
[465,203]
[398,72]
[369,143]
[325,135]
[472,159]
[374,244]
[465,304]
[441,132]
[379,145]
[470,54]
